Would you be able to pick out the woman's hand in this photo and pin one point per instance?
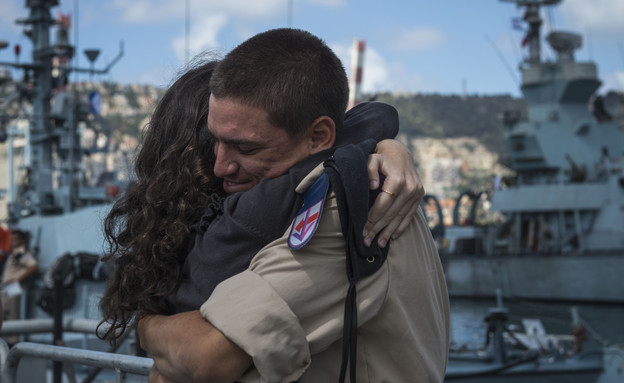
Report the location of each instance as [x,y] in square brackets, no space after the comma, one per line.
[401,194]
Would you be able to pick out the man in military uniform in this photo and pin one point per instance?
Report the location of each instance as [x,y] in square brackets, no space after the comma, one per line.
[282,319]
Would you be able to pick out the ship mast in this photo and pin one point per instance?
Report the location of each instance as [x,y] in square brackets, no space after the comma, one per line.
[532,17]
[41,134]
[53,136]
[557,94]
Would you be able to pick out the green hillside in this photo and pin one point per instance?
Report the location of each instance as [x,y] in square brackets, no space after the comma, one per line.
[446,116]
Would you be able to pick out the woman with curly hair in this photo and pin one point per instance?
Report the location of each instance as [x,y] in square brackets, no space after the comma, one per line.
[149,229]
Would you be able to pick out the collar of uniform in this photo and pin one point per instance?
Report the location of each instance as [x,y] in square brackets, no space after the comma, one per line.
[308,180]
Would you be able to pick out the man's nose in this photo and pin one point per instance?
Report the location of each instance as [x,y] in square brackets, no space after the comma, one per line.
[225,163]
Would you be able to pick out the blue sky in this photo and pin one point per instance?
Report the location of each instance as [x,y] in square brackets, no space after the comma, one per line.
[442,46]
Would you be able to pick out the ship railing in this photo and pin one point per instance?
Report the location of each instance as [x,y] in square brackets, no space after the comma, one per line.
[46,325]
[126,367]
[121,364]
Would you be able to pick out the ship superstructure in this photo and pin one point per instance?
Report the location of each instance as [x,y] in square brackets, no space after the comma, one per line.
[563,233]
[568,160]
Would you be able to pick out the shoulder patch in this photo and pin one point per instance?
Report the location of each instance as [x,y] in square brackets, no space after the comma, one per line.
[308,217]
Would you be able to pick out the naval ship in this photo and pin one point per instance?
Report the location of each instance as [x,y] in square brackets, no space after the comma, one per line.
[561,232]
[54,194]
[43,120]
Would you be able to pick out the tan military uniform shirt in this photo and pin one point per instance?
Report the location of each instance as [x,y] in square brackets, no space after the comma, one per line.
[286,311]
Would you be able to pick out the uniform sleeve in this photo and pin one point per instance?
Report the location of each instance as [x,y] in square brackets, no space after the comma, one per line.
[289,305]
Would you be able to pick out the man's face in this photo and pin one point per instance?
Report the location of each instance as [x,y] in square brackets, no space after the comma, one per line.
[249,148]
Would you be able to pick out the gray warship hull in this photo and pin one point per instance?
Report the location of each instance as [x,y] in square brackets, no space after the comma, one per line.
[595,278]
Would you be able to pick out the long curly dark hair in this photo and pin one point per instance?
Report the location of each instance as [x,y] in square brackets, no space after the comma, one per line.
[147,230]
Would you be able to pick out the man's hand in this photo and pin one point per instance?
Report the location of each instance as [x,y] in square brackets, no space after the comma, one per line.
[401,194]
[187,348]
[157,377]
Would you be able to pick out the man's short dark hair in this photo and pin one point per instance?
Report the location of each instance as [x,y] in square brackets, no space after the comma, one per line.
[290,73]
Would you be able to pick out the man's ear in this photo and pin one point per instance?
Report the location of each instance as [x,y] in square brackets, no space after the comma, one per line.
[322,134]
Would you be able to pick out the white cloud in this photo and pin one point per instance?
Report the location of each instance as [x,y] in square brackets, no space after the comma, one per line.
[207,18]
[203,36]
[379,75]
[159,10]
[404,79]
[598,15]
[417,39]
[344,54]
[612,81]
[374,73]
[327,3]
[241,8]
[620,80]
[141,11]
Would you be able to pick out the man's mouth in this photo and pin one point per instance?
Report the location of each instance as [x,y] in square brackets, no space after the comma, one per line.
[231,187]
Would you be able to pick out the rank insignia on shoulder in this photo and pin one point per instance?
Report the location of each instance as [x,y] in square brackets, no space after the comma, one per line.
[308,217]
